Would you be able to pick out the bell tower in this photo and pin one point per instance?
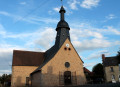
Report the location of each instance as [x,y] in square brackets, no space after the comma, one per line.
[62,34]
[62,29]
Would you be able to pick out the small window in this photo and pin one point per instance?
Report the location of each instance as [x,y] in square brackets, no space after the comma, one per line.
[113,76]
[119,76]
[65,48]
[69,48]
[119,66]
[111,69]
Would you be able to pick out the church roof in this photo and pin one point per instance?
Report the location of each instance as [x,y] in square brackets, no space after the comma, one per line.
[25,58]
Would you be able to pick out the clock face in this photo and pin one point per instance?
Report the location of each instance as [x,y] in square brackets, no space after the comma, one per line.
[67,45]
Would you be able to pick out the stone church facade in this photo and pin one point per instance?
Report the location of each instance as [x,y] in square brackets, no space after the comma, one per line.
[59,65]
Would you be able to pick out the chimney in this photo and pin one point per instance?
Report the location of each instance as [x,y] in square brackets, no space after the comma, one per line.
[103,57]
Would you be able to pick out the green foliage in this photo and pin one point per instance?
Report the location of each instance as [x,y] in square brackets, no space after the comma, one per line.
[98,70]
[5,78]
[118,53]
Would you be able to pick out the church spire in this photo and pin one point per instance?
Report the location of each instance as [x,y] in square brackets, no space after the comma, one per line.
[62,23]
[62,11]
[62,29]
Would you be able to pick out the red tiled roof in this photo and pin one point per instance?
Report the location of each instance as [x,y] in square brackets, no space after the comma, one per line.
[87,71]
[27,58]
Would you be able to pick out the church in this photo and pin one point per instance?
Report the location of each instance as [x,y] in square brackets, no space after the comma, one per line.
[58,66]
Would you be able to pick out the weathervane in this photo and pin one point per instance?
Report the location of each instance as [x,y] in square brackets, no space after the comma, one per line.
[62,2]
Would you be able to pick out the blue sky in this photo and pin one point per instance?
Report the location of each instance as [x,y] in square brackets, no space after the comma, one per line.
[30,25]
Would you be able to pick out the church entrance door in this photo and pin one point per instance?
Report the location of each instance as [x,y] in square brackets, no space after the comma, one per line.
[67,77]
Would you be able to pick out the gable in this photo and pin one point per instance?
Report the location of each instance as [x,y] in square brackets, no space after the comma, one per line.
[62,53]
[65,53]
[68,49]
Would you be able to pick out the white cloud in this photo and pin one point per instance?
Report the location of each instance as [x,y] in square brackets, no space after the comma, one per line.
[2,31]
[73,4]
[110,16]
[98,54]
[5,72]
[88,4]
[94,38]
[6,50]
[31,19]
[49,37]
[77,33]
[4,13]
[36,20]
[116,43]
[90,64]
[43,37]
[23,3]
[108,30]
[91,44]
[56,9]
[115,31]
[6,53]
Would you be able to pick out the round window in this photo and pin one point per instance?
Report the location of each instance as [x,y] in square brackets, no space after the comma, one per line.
[67,64]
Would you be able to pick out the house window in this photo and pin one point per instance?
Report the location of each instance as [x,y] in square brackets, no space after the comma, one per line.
[119,66]
[111,69]
[113,76]
[119,78]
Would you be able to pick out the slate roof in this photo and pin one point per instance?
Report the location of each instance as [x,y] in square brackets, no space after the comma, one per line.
[27,58]
[62,23]
[111,61]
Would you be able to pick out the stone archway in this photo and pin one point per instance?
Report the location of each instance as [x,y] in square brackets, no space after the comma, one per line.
[67,77]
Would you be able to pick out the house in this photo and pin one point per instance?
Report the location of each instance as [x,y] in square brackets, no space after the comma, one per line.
[111,68]
[59,65]
[89,75]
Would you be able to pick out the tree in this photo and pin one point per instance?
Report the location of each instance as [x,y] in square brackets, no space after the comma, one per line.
[5,78]
[118,56]
[118,53]
[98,71]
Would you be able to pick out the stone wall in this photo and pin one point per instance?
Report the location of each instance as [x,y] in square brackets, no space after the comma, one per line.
[19,74]
[51,71]
[108,73]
